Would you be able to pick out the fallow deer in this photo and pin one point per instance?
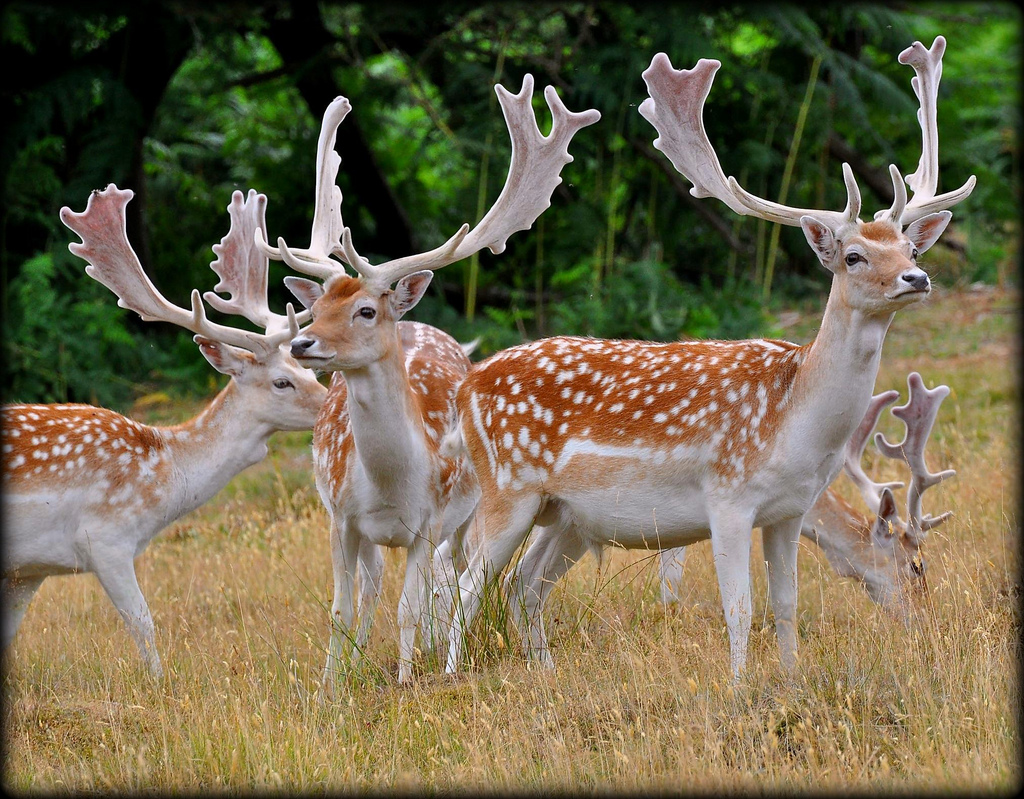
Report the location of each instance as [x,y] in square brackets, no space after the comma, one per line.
[655,446]
[86,489]
[380,469]
[882,551]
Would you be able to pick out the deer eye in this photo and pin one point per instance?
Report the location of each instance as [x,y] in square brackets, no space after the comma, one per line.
[917,565]
[852,258]
[367,312]
[914,254]
[282,382]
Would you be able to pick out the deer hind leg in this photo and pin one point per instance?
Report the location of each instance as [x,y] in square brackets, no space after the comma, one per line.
[117,576]
[448,563]
[17,593]
[554,551]
[344,559]
[505,525]
[781,543]
[670,573]
[730,545]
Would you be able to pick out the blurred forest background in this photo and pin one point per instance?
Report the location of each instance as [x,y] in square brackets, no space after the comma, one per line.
[184,102]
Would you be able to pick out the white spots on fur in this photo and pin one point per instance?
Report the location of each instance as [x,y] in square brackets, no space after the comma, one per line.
[713,393]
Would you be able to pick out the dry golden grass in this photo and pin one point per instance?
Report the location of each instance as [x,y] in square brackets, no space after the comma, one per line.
[240,593]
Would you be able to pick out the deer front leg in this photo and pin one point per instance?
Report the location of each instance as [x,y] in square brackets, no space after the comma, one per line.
[116,573]
[17,593]
[371,563]
[344,559]
[781,543]
[444,579]
[730,545]
[670,572]
[411,603]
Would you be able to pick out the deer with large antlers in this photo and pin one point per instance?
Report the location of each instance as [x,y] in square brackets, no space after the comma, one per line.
[86,489]
[380,467]
[653,446]
[882,551]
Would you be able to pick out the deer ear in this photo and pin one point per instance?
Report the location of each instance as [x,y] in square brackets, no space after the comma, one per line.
[409,291]
[886,520]
[822,241]
[226,359]
[925,231]
[306,291]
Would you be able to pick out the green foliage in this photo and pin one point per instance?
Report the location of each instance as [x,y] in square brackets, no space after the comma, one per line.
[644,300]
[621,252]
[58,346]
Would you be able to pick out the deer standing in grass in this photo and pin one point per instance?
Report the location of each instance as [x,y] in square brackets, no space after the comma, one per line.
[380,468]
[882,551]
[86,489]
[654,446]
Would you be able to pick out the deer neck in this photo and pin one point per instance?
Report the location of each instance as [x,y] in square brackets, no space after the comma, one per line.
[210,449]
[387,429]
[834,383]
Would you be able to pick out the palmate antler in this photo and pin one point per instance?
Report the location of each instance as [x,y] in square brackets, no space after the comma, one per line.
[927,64]
[534,173]
[242,269]
[675,108]
[869,490]
[918,415]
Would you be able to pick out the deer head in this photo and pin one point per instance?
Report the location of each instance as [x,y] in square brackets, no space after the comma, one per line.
[897,542]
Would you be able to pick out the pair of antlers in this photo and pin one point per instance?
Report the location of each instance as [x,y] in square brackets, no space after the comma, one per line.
[241,267]
[534,173]
[918,415]
[676,105]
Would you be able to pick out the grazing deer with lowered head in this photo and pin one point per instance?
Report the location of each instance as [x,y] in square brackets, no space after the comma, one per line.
[655,446]
[380,468]
[882,551]
[86,489]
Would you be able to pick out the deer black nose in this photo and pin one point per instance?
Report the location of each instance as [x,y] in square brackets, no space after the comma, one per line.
[917,279]
[300,345]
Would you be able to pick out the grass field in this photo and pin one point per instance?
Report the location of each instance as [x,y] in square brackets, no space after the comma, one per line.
[240,592]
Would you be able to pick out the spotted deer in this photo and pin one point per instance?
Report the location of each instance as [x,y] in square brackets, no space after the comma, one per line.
[86,489]
[378,460]
[659,445]
[882,550]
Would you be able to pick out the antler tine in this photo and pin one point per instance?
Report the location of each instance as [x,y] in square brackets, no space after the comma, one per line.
[289,329]
[534,173]
[113,262]
[328,229]
[242,267]
[927,64]
[869,490]
[675,109]
[918,415]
